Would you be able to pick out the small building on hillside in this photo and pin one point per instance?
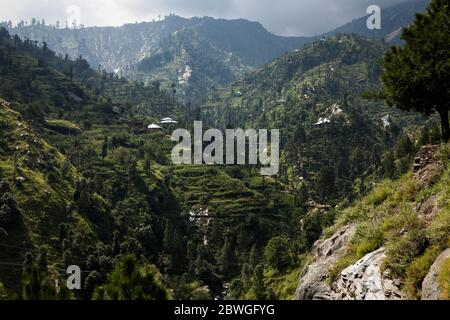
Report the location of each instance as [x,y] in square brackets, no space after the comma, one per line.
[154,127]
[168,121]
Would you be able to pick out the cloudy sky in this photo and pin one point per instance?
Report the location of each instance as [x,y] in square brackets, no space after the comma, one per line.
[283,17]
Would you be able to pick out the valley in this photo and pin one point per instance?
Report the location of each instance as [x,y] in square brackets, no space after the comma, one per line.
[87,176]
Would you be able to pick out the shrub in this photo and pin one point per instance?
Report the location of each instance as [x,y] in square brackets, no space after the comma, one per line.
[380,193]
[3,295]
[278,253]
[402,252]
[444,152]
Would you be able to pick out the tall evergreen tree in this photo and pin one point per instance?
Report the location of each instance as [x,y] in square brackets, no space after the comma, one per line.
[416,76]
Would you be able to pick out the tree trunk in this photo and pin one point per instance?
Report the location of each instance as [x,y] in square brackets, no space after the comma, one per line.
[445,125]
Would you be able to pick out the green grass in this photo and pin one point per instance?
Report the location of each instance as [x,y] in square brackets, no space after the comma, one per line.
[63,125]
[418,270]
[387,217]
[42,201]
[283,285]
[444,280]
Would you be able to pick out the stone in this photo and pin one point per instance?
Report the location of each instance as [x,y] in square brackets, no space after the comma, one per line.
[312,283]
[428,209]
[364,280]
[427,166]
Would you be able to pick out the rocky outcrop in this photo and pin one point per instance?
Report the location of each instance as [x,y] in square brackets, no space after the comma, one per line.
[431,288]
[365,280]
[428,209]
[427,166]
[312,284]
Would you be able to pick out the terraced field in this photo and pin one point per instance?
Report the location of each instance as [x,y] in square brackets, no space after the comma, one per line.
[213,188]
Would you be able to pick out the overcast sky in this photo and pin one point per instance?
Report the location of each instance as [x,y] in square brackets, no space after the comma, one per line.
[283,17]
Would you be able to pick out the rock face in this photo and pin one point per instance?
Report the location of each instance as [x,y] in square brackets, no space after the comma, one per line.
[427,166]
[428,209]
[312,284]
[360,281]
[431,289]
[365,281]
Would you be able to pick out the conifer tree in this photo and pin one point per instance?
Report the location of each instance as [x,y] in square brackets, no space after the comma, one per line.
[416,76]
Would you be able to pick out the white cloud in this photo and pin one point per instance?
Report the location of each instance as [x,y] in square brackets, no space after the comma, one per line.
[287,17]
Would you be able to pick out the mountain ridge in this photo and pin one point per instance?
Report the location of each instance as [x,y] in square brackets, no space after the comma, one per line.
[192,55]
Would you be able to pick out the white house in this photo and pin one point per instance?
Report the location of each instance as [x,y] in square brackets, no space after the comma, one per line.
[154,127]
[168,121]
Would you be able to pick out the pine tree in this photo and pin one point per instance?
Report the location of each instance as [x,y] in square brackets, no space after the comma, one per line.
[389,167]
[416,76]
[259,287]
[105,148]
[227,258]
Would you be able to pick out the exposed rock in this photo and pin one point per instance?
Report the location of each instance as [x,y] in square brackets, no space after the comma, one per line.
[428,209]
[431,289]
[427,166]
[312,284]
[365,281]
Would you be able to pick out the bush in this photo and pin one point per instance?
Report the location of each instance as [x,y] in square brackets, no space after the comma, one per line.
[444,152]
[372,238]
[278,253]
[402,252]
[380,193]
[3,295]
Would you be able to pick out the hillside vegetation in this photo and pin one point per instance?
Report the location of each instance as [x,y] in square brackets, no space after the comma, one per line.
[408,219]
[330,133]
[99,187]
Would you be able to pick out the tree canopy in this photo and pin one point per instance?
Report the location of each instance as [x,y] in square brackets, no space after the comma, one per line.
[416,76]
[129,281]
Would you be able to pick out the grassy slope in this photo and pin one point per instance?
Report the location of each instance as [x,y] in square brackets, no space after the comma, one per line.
[42,202]
[388,217]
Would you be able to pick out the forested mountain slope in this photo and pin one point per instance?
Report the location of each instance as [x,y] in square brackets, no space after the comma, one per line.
[330,133]
[214,50]
[193,55]
[84,182]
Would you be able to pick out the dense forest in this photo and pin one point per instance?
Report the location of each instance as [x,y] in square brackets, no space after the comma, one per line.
[84,181]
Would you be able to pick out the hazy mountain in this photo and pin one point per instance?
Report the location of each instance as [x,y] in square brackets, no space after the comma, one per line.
[114,48]
[190,56]
[213,51]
